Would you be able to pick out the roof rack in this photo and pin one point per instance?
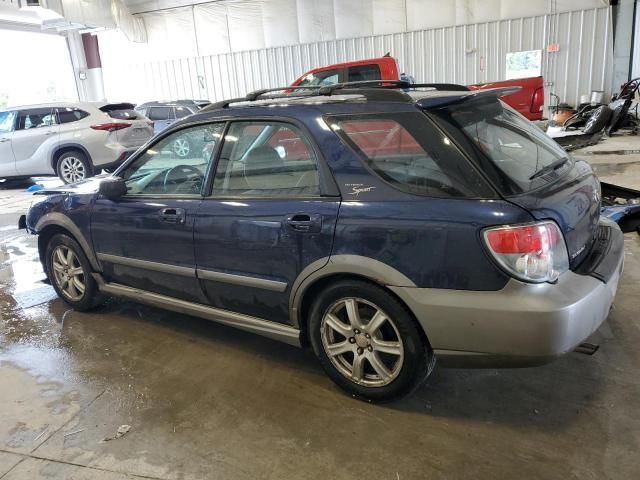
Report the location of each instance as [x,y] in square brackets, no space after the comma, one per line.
[371,89]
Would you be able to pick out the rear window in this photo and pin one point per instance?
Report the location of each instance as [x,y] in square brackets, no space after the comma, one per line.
[515,148]
[410,153]
[364,72]
[125,114]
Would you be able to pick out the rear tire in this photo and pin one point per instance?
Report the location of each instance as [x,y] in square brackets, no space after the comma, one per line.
[367,342]
[69,271]
[73,166]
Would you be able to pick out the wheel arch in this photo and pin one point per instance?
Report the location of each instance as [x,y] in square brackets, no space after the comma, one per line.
[54,223]
[323,272]
[68,147]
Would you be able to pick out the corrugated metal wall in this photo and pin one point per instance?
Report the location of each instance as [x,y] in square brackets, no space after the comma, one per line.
[462,54]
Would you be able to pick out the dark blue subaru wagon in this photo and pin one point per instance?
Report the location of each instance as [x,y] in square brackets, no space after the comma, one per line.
[383,228]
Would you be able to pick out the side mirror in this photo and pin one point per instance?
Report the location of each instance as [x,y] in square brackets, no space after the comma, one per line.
[112,187]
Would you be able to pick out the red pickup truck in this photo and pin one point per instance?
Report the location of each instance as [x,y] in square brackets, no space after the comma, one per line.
[529,100]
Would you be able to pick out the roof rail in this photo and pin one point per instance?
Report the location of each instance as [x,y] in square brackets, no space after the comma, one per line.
[365,87]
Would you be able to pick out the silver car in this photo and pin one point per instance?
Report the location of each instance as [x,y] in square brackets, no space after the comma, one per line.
[71,140]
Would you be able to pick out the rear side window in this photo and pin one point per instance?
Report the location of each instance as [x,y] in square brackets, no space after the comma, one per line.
[410,153]
[35,118]
[364,72]
[514,148]
[160,113]
[266,159]
[70,114]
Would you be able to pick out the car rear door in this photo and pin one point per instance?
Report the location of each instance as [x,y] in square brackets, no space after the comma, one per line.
[272,212]
[34,139]
[144,239]
[7,160]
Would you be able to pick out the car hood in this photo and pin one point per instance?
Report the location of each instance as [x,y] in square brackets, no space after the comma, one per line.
[90,185]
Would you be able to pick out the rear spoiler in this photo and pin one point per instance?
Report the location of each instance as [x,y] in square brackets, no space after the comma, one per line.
[442,100]
[110,107]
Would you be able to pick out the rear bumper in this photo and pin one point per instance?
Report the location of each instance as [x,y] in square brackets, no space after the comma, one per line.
[520,325]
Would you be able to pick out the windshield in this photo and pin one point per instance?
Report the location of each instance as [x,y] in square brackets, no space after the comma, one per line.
[328,77]
[516,147]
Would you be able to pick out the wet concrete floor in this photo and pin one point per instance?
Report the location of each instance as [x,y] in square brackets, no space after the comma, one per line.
[207,401]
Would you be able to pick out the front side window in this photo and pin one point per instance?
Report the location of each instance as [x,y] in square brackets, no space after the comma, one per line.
[364,72]
[511,143]
[164,170]
[6,121]
[410,153]
[266,159]
[70,114]
[35,118]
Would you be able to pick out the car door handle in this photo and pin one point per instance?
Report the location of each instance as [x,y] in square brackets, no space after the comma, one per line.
[304,222]
[49,133]
[173,215]
[2,140]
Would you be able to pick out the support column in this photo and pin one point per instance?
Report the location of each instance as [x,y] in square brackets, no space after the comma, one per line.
[87,66]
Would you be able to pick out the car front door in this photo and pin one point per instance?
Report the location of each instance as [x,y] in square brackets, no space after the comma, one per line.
[34,139]
[271,212]
[7,160]
[144,239]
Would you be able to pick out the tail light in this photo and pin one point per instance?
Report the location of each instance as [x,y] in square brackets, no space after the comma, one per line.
[533,253]
[111,127]
[537,102]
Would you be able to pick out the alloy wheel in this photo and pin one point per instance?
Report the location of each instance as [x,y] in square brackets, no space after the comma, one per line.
[68,273]
[72,169]
[181,147]
[362,342]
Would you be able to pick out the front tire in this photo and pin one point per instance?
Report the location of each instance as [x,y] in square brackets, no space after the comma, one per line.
[69,271]
[367,342]
[73,166]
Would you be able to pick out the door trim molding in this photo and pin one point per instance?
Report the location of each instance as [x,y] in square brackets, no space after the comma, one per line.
[147,265]
[273,330]
[241,280]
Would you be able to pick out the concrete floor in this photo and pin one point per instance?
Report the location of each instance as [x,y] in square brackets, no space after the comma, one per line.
[207,401]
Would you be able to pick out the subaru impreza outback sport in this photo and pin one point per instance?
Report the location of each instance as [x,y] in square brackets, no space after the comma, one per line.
[383,228]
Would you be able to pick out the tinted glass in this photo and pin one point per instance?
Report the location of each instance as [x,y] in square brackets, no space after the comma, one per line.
[160,113]
[35,118]
[182,112]
[512,144]
[126,114]
[364,72]
[6,121]
[164,169]
[328,77]
[409,152]
[266,159]
[70,114]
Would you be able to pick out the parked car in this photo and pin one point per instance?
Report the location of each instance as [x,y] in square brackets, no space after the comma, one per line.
[383,229]
[71,140]
[528,100]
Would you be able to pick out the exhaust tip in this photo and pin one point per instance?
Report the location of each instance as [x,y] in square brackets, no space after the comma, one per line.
[587,348]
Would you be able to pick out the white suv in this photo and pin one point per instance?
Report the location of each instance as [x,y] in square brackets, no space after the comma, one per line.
[71,140]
